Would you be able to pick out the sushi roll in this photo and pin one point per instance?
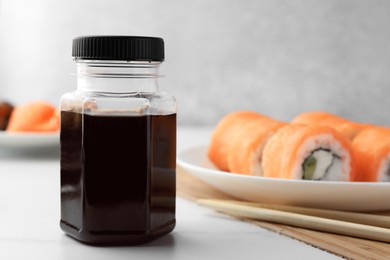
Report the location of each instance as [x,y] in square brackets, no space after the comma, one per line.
[224,132]
[37,116]
[346,127]
[307,152]
[372,153]
[246,147]
[312,117]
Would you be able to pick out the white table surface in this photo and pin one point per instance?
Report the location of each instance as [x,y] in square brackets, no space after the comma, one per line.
[30,214]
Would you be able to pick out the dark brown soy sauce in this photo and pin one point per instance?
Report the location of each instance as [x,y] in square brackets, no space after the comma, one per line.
[117,177]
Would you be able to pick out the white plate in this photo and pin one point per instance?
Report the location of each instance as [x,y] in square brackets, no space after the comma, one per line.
[351,196]
[28,140]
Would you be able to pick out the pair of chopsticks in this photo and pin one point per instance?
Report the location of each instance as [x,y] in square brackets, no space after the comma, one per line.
[367,226]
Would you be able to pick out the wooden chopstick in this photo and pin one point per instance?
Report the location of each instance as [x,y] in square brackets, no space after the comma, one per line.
[360,218]
[299,220]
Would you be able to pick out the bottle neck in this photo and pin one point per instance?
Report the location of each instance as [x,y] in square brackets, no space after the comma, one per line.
[117,77]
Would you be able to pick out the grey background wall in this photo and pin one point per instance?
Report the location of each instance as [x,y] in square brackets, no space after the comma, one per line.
[278,57]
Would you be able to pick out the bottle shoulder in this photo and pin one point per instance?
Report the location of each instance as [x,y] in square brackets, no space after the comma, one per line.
[138,103]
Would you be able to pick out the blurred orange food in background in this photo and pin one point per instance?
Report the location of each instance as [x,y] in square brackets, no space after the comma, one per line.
[37,116]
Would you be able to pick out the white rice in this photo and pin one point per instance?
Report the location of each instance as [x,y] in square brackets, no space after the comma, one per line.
[340,168]
[256,166]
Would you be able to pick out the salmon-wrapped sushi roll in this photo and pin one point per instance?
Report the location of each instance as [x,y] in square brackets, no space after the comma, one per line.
[38,116]
[224,132]
[311,117]
[372,153]
[310,153]
[246,147]
[346,127]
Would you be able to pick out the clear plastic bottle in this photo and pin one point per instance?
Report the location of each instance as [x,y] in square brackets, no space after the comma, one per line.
[118,143]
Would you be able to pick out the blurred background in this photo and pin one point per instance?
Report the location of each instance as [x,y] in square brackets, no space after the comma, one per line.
[277,57]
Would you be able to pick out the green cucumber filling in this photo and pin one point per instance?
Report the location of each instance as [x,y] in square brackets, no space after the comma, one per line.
[318,165]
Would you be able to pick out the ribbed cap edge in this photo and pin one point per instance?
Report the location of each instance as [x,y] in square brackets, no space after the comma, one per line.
[130,48]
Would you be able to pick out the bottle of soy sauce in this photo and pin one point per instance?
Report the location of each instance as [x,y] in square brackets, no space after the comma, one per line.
[118,143]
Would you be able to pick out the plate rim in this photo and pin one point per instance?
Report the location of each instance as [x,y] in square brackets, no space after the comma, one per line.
[19,141]
[4,134]
[345,196]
